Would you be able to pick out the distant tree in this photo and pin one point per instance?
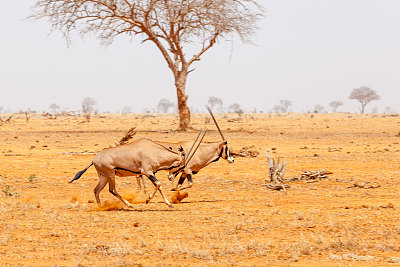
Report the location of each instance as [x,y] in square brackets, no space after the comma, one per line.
[285,104]
[126,110]
[88,104]
[181,30]
[1,109]
[335,104]
[364,95]
[389,110]
[282,107]
[319,109]
[278,109]
[54,108]
[374,110]
[235,108]
[164,105]
[214,101]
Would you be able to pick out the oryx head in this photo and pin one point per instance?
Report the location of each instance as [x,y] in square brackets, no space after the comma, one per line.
[225,152]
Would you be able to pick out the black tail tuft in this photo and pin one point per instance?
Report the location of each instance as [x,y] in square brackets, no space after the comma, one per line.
[79,174]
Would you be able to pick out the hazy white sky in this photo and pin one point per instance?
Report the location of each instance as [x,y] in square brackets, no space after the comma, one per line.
[309,51]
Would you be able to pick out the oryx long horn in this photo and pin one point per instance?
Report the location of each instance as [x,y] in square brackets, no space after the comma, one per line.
[194,151]
[216,124]
[190,150]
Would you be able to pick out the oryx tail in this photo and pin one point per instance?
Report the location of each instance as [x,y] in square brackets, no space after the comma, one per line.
[79,174]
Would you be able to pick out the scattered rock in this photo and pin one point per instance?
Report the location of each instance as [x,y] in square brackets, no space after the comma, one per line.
[388,206]
[246,152]
[365,184]
[334,257]
[355,257]
[394,260]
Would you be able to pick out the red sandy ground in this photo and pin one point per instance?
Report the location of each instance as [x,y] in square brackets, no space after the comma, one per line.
[228,218]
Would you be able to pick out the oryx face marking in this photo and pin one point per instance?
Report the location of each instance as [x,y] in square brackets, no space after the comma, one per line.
[228,155]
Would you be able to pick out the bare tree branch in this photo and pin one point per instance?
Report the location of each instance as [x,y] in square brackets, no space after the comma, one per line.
[183,30]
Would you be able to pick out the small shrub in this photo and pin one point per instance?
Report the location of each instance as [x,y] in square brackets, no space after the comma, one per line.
[9,192]
[32,178]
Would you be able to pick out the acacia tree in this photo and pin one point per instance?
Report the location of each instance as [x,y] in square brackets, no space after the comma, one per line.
[215,101]
[164,105]
[54,107]
[182,30]
[285,104]
[364,95]
[335,104]
[319,108]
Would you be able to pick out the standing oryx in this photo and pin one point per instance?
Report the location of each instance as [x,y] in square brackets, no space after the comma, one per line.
[139,157]
[206,154]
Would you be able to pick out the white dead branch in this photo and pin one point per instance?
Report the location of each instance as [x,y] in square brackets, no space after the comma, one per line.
[276,171]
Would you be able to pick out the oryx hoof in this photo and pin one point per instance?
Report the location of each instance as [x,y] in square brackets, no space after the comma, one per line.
[170,205]
[130,206]
[178,188]
[147,201]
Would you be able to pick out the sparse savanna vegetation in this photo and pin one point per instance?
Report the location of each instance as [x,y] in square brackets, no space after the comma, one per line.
[228,217]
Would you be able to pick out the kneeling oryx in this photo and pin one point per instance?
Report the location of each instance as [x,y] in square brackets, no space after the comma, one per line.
[206,154]
[141,157]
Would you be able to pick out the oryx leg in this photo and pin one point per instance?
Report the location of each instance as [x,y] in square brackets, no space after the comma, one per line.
[138,178]
[102,183]
[157,184]
[180,182]
[141,181]
[113,190]
[179,186]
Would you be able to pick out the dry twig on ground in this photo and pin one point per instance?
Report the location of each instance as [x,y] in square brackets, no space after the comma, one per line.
[315,175]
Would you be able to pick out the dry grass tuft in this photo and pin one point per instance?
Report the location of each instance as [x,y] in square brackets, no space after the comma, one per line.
[178,197]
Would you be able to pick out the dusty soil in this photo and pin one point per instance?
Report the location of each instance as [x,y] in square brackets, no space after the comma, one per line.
[228,218]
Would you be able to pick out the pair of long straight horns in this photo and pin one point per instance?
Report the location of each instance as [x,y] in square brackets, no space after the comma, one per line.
[190,155]
[216,124]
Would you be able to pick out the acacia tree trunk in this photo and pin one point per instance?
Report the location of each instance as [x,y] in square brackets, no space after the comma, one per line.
[184,112]
[362,107]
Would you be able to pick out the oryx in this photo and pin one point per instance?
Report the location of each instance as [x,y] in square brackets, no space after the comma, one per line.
[141,157]
[207,153]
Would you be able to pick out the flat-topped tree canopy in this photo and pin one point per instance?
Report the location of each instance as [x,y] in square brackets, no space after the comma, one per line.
[182,30]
